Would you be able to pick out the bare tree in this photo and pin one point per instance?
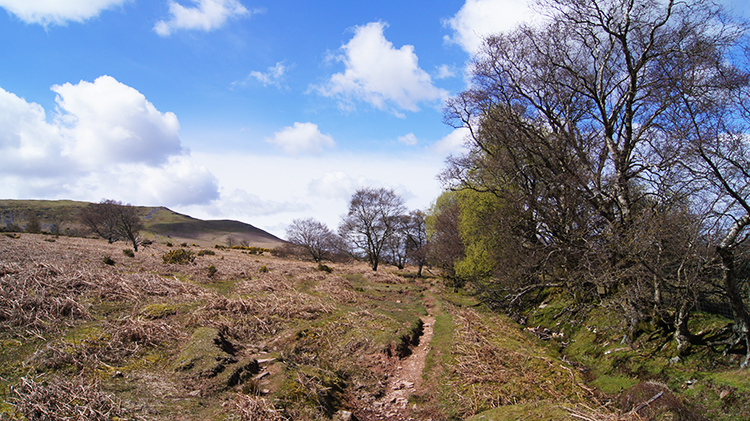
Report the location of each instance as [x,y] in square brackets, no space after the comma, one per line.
[100,218]
[395,250]
[34,225]
[416,239]
[445,246]
[371,221]
[113,221]
[314,237]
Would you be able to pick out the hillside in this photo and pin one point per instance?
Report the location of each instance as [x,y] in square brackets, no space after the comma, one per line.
[238,336]
[161,223]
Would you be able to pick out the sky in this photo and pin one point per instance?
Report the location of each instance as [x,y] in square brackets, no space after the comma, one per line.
[253,110]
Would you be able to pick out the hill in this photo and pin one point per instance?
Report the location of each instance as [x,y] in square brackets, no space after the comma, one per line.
[161,224]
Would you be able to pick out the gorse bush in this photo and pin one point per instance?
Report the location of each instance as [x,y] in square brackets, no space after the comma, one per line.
[108,261]
[128,252]
[179,256]
[206,252]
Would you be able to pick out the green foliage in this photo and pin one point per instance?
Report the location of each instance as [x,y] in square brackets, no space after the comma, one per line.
[211,271]
[263,269]
[128,252]
[179,256]
[108,261]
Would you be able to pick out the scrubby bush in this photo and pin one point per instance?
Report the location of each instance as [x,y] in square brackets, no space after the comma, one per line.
[108,261]
[128,252]
[211,271]
[324,268]
[169,244]
[263,269]
[179,256]
[206,253]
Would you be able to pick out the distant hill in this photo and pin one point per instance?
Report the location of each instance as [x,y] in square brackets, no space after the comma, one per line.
[161,224]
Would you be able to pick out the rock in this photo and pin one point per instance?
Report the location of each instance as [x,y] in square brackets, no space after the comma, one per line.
[343,416]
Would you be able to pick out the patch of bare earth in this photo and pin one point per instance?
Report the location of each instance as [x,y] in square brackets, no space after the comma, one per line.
[406,381]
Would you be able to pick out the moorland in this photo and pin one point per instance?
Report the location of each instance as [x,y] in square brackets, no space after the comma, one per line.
[91,331]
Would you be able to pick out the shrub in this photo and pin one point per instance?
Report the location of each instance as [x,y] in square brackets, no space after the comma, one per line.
[108,261]
[211,271]
[183,245]
[179,256]
[128,252]
[324,268]
[169,244]
[263,269]
[206,252]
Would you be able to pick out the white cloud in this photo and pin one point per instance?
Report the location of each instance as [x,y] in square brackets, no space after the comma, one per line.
[334,185]
[104,140]
[28,144]
[409,139]
[480,18]
[301,138]
[453,143]
[206,16]
[444,72]
[109,122]
[273,76]
[380,74]
[58,12]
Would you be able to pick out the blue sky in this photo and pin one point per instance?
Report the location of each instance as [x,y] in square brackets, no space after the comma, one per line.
[251,110]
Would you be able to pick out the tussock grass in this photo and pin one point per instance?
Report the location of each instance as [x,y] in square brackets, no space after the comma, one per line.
[254,408]
[61,399]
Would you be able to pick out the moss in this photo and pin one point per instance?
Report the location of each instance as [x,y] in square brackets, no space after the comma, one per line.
[613,384]
[537,411]
[158,310]
[205,355]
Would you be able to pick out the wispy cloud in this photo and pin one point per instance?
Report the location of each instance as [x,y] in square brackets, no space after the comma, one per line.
[58,12]
[206,16]
[380,74]
[273,76]
[408,139]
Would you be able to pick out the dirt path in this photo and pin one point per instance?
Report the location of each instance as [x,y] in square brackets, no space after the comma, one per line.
[408,377]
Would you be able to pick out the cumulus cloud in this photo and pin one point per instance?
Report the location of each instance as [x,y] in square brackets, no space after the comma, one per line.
[207,15]
[479,18]
[302,138]
[57,12]
[409,139]
[104,139]
[380,74]
[107,122]
[28,144]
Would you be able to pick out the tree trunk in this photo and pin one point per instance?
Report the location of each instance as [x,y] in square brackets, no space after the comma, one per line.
[741,328]
[682,333]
